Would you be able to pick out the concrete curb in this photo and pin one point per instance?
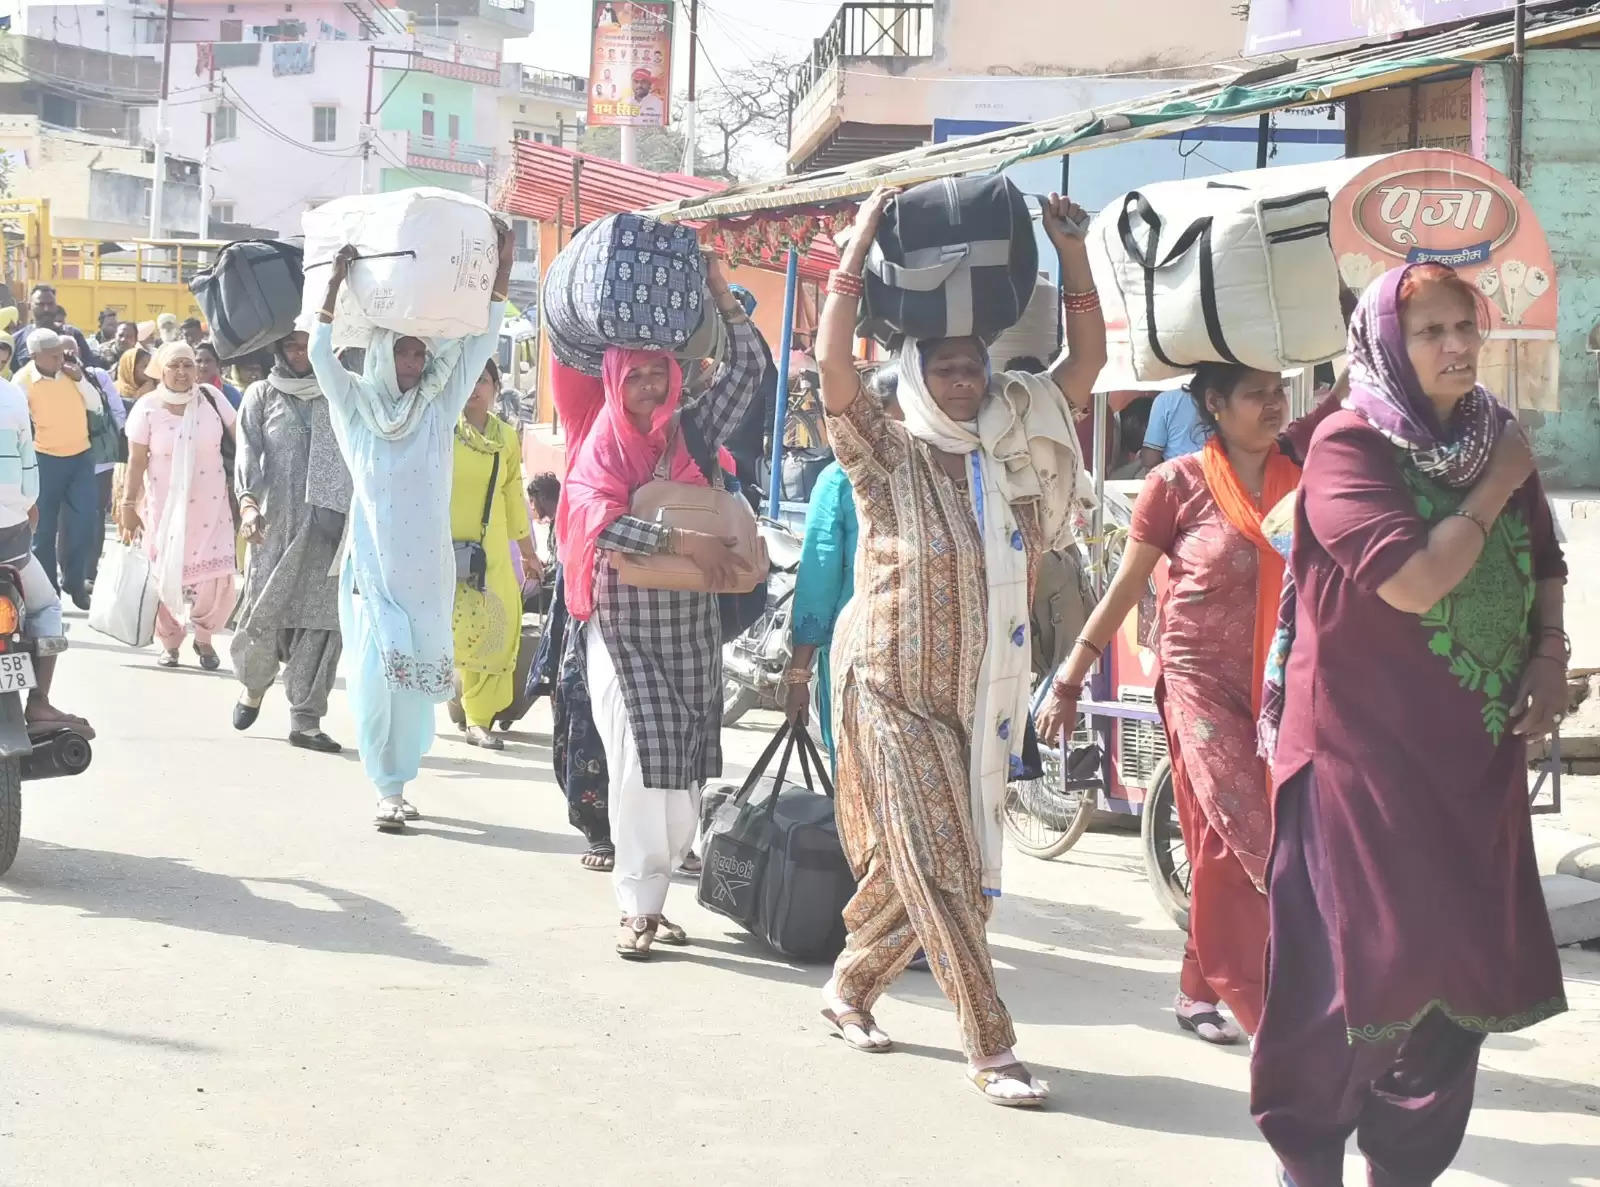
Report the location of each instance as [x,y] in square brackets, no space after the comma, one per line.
[1561,851]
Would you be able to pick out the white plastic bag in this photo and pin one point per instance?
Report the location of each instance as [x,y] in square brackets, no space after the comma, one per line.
[123,605]
[442,291]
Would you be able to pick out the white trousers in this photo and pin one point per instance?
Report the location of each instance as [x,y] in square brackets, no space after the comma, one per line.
[653,829]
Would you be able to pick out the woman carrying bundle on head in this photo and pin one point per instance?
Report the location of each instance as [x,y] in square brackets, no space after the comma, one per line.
[931,658]
[294,494]
[395,425]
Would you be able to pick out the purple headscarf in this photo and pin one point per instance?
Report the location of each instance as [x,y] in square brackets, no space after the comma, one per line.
[1385,392]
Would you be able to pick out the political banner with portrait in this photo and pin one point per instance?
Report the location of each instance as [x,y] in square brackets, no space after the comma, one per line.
[630,71]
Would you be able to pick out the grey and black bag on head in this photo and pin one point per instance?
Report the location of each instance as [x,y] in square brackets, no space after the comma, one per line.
[953,257]
[251,295]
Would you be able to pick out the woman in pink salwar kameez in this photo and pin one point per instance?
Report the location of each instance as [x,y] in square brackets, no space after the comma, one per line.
[176,497]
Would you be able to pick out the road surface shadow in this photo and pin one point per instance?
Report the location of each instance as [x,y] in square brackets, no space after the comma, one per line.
[16,1020]
[170,891]
[498,836]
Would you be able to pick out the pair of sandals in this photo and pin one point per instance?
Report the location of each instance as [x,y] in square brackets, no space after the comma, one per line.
[871,1040]
[642,932]
[392,815]
[209,659]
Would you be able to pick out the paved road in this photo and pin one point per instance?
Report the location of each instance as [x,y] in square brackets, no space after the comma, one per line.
[216,972]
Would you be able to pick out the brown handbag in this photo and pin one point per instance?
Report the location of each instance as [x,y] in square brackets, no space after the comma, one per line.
[709,509]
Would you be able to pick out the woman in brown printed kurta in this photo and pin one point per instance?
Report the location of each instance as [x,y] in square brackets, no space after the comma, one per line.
[930,659]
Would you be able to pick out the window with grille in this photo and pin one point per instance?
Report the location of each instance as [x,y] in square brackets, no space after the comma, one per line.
[455,128]
[324,124]
[222,212]
[225,123]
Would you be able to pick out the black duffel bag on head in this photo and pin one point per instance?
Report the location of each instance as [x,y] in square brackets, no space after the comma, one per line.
[953,257]
[250,296]
[773,863]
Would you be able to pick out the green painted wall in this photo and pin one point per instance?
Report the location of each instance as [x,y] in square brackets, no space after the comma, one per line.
[1561,178]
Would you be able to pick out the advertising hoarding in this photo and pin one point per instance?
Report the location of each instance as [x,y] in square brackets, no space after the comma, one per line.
[630,64]
[1278,26]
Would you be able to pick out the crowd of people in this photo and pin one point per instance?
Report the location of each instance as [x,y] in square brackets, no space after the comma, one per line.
[1361,628]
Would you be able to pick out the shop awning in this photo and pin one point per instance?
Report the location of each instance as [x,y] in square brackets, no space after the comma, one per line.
[1269,88]
[546,181]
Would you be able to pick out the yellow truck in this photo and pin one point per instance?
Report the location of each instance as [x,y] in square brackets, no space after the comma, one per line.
[138,278]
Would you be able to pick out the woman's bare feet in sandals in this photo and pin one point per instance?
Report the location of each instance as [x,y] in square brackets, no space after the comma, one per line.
[41,714]
[1205,1020]
[637,935]
[1003,1081]
[857,1028]
[600,858]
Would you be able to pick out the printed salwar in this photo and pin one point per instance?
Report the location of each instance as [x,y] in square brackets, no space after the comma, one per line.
[907,654]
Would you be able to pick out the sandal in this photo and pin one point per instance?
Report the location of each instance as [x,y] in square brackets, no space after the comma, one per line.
[168,658]
[390,818]
[1206,1022]
[483,739]
[1013,1073]
[409,811]
[638,933]
[844,1020]
[210,661]
[691,865]
[670,933]
[600,858]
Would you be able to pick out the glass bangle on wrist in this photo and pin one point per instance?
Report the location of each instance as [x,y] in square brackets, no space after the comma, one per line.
[796,676]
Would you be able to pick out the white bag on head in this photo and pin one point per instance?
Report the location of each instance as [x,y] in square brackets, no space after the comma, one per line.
[123,605]
[1220,273]
[438,288]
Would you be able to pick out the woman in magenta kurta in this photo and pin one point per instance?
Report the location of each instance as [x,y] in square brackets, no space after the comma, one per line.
[177,497]
[1406,915]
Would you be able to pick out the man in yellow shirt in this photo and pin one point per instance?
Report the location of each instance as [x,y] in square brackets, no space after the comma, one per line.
[60,399]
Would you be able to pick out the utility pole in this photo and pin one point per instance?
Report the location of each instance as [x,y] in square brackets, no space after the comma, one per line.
[1519,85]
[688,107]
[205,157]
[366,122]
[157,184]
[629,136]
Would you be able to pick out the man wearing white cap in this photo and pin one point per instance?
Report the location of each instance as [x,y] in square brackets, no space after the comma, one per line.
[60,399]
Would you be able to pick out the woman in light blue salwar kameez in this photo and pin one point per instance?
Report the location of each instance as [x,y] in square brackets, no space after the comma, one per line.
[397,584]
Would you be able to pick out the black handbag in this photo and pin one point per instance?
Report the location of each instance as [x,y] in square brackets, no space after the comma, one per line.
[952,257]
[773,862]
[472,563]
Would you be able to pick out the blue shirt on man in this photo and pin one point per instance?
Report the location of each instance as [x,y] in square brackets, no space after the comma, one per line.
[1175,426]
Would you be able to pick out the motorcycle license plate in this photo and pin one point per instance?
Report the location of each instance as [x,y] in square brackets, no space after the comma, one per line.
[16,673]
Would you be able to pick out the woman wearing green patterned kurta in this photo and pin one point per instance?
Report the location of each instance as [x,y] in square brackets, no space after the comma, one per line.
[1407,920]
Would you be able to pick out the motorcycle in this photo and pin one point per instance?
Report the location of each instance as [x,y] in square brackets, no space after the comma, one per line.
[753,663]
[27,752]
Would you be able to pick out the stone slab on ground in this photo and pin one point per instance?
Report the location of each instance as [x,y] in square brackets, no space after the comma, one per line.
[1574,905]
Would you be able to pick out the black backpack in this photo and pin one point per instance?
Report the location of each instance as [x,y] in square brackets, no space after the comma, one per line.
[773,863]
[953,257]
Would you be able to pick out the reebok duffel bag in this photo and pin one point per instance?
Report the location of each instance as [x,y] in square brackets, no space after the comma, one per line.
[953,257]
[773,863]
[251,295]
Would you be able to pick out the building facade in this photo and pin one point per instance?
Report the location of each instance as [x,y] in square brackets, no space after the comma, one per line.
[872,83]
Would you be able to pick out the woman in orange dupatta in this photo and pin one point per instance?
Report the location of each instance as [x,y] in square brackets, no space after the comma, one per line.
[1203,513]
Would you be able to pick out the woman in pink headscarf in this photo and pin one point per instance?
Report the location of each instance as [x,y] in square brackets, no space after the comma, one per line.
[653,657]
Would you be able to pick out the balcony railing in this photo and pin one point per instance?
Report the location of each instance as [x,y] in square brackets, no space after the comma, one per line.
[552,84]
[868,31]
[447,156]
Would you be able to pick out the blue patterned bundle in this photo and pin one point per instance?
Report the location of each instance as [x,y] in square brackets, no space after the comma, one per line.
[625,280]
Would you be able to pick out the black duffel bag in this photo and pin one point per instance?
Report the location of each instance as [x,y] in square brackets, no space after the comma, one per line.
[773,863]
[953,257]
[250,296]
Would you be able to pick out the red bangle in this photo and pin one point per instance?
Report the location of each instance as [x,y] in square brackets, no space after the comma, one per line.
[845,284]
[1068,686]
[1086,302]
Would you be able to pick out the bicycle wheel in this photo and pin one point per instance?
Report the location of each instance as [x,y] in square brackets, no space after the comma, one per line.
[1043,819]
[1166,861]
